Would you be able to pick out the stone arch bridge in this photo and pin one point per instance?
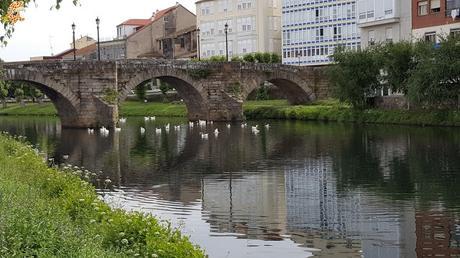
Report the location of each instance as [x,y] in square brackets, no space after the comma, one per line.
[87,93]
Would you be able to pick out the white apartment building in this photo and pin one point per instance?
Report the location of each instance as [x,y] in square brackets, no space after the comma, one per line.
[312,29]
[384,20]
[253,26]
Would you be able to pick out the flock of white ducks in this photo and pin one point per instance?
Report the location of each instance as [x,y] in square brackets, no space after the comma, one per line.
[201,123]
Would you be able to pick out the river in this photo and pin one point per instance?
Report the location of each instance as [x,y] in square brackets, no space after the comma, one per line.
[296,189]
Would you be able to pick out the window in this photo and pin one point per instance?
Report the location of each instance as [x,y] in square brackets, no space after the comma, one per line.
[455,32]
[389,34]
[371,38]
[435,6]
[337,32]
[430,37]
[422,8]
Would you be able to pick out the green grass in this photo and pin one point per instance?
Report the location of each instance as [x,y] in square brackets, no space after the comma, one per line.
[45,109]
[131,108]
[327,110]
[128,108]
[334,111]
[46,212]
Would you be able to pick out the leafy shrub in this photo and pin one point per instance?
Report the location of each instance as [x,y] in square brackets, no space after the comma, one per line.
[237,59]
[275,58]
[199,73]
[259,57]
[249,58]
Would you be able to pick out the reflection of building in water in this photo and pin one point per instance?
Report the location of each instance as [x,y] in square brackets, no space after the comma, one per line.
[313,201]
[390,149]
[314,204]
[438,234]
[253,205]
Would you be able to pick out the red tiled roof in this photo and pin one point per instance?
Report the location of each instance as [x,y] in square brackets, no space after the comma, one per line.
[82,51]
[136,22]
[63,53]
[158,15]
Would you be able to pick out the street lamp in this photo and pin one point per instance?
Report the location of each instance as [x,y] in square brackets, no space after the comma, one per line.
[73,37]
[226,41]
[98,21]
[298,55]
[198,44]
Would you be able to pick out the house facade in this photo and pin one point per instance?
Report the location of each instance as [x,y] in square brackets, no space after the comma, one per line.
[384,21]
[433,19]
[171,34]
[253,26]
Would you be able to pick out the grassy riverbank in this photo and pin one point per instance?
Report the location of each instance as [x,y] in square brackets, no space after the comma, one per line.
[276,109]
[46,212]
[335,111]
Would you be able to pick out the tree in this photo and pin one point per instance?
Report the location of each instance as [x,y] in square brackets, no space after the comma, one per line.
[10,14]
[398,63]
[355,75]
[141,90]
[4,92]
[19,95]
[164,88]
[435,81]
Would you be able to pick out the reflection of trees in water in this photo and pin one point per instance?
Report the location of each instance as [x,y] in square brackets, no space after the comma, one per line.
[44,132]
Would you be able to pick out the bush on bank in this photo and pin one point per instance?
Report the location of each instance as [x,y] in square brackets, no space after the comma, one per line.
[46,212]
[429,74]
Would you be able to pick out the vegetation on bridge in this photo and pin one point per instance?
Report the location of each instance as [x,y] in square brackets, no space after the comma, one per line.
[46,212]
[257,57]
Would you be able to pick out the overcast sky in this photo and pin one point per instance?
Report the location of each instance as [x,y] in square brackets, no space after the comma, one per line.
[45,32]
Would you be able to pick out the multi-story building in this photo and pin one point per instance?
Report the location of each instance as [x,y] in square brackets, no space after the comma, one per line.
[130,26]
[384,20]
[113,49]
[432,19]
[171,33]
[253,26]
[312,29]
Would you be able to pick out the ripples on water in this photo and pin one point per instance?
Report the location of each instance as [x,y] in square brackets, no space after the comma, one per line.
[296,190]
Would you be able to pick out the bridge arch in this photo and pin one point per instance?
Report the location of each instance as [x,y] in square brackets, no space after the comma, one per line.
[296,89]
[192,92]
[64,100]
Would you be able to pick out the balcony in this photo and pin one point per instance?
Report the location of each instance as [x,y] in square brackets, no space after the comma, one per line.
[369,19]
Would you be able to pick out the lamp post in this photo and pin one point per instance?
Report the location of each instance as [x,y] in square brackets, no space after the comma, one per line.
[73,37]
[98,21]
[198,44]
[226,41]
[298,55]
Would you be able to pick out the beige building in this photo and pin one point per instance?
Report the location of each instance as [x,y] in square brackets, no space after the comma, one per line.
[253,26]
[83,42]
[384,21]
[170,34]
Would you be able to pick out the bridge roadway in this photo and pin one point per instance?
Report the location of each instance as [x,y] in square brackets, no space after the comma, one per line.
[87,93]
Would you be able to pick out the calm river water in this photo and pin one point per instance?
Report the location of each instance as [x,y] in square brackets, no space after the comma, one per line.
[299,189]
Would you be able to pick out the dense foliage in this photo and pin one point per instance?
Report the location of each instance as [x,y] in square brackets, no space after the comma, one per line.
[355,75]
[429,74]
[46,212]
[258,57]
